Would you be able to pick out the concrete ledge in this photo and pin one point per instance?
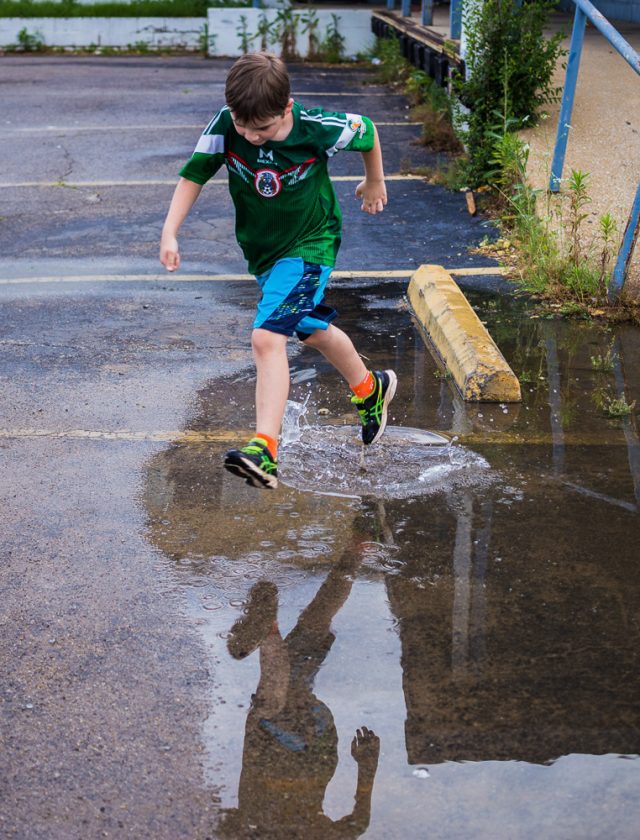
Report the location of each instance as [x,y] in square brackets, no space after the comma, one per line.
[478,368]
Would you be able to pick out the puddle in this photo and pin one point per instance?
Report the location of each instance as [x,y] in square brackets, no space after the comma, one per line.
[466,611]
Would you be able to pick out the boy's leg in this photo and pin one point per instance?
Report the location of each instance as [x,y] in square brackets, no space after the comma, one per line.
[373,390]
[256,462]
[272,385]
[290,291]
[337,348]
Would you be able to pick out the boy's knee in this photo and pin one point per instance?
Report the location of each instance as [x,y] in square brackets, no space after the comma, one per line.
[264,341]
[317,339]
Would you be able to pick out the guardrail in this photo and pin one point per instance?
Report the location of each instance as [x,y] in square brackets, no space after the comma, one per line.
[586,10]
[426,14]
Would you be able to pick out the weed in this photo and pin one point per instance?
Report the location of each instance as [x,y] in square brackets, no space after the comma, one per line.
[442,374]
[310,24]
[332,46]
[393,69]
[242,31]
[285,32]
[620,407]
[604,364]
[264,32]
[30,41]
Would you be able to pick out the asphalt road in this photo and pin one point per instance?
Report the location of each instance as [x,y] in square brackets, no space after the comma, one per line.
[104,682]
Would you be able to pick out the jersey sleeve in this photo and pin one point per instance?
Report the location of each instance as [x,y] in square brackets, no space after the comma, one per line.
[208,155]
[336,131]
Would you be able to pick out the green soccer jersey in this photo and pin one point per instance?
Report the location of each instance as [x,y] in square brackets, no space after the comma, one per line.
[284,201]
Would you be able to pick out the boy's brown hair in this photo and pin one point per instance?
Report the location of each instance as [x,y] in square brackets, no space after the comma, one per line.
[257,87]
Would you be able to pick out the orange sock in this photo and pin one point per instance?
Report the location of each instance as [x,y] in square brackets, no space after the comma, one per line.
[364,388]
[272,443]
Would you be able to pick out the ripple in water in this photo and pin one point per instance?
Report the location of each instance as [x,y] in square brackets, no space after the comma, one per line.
[404,462]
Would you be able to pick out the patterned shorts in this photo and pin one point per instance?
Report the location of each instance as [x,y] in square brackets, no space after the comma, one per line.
[292,298]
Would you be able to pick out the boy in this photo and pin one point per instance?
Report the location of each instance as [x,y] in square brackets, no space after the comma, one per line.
[288,224]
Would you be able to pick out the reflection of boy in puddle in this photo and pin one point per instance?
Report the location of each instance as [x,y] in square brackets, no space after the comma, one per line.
[290,746]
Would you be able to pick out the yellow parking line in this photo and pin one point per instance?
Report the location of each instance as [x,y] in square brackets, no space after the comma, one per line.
[76,129]
[167,182]
[531,438]
[225,278]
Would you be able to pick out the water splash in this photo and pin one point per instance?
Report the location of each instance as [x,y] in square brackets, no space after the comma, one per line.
[406,462]
[294,414]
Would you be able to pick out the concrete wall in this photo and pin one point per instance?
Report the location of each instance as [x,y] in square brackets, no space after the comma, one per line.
[353,24]
[224,26]
[106,32]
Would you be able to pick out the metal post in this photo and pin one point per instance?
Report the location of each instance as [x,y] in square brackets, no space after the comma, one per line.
[391,4]
[427,12]
[564,123]
[455,19]
[406,8]
[626,250]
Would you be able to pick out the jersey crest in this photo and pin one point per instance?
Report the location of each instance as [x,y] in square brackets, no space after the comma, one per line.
[268,182]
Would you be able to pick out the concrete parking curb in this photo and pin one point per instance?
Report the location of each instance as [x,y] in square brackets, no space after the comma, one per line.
[478,367]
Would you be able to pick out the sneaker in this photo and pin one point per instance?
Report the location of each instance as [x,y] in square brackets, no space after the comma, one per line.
[254,463]
[373,409]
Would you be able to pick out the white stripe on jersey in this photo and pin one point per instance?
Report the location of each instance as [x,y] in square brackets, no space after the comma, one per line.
[319,118]
[355,124]
[210,144]
[215,120]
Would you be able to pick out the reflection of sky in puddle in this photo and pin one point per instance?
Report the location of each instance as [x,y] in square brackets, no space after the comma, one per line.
[361,683]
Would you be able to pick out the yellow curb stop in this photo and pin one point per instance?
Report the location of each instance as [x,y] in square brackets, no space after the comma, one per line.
[464,345]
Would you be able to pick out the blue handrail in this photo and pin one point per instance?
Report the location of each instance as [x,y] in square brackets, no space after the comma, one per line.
[586,10]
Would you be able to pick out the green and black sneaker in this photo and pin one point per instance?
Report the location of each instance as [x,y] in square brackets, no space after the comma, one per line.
[373,409]
[254,463]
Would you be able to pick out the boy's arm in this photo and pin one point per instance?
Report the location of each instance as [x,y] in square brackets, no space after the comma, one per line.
[183,200]
[372,190]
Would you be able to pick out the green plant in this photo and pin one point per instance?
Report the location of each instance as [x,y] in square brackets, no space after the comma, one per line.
[332,46]
[264,32]
[619,407]
[604,364]
[285,31]
[30,41]
[393,68]
[139,47]
[608,234]
[310,24]
[578,199]
[242,31]
[510,66]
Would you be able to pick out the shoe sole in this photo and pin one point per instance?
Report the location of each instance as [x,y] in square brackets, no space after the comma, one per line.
[390,394]
[255,477]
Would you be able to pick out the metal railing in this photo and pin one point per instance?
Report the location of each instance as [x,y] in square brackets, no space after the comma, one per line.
[426,14]
[586,10]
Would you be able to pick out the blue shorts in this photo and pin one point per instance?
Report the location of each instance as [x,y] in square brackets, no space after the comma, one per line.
[293,298]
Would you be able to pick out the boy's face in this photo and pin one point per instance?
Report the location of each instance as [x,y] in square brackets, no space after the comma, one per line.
[270,128]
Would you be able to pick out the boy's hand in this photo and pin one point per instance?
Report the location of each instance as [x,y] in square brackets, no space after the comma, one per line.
[169,253]
[373,195]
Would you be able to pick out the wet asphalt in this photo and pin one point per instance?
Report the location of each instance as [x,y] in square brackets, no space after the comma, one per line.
[475,607]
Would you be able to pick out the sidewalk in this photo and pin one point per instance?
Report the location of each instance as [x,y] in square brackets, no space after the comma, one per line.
[605,129]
